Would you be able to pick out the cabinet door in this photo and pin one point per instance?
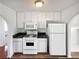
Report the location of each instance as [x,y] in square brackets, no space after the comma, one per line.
[20,19]
[57,44]
[34,17]
[53,16]
[42,45]
[49,15]
[56,16]
[28,17]
[41,20]
[17,45]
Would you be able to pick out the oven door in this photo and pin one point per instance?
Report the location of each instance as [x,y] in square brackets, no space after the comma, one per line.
[29,44]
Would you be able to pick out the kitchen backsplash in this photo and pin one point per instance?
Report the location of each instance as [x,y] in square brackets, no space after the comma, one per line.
[20,30]
[23,30]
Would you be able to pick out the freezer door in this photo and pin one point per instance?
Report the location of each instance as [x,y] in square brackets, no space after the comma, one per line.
[57,44]
[56,28]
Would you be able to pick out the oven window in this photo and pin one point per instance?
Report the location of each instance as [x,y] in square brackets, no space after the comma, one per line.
[29,43]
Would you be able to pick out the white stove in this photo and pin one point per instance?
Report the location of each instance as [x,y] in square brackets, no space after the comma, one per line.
[30,45]
[30,40]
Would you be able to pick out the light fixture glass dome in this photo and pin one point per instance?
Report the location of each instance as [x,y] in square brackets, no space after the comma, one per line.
[39,3]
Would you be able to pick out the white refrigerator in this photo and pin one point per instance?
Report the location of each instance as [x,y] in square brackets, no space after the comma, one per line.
[57,39]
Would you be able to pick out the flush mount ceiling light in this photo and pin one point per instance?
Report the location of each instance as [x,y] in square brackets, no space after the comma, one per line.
[39,3]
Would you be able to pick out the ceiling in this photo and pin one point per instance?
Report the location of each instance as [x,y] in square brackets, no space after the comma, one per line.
[28,5]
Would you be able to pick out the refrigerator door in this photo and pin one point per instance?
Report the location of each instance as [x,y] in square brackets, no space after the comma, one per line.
[57,44]
[56,28]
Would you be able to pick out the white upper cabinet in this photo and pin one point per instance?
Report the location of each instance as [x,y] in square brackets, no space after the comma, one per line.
[20,20]
[28,17]
[57,16]
[49,15]
[53,16]
[36,17]
[41,20]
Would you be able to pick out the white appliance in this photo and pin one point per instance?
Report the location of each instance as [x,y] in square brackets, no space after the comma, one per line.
[57,38]
[30,26]
[29,45]
[30,40]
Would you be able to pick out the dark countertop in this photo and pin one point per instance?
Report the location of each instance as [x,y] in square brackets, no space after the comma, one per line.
[42,35]
[19,35]
[24,34]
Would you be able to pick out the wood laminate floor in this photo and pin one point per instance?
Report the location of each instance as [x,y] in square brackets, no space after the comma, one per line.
[75,55]
[38,56]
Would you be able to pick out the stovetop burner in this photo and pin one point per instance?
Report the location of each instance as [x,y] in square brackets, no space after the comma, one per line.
[30,35]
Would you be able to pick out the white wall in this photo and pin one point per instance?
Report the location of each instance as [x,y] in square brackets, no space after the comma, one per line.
[2,32]
[70,12]
[5,37]
[67,15]
[9,43]
[73,44]
[74,33]
[75,40]
[10,16]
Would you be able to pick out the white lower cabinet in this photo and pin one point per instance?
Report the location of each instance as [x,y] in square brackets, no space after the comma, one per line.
[17,45]
[42,45]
